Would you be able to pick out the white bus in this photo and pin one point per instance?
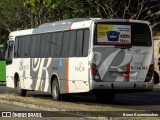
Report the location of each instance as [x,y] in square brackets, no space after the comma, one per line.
[98,56]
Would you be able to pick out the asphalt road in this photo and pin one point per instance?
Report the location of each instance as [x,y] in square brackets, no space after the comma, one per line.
[138,101]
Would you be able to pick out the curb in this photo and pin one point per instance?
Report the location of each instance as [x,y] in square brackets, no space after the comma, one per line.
[65,111]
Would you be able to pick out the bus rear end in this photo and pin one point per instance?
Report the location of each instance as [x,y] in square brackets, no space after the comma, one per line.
[122,56]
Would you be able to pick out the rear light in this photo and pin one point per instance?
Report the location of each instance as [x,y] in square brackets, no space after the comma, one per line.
[150,70]
[95,72]
[94,67]
[150,73]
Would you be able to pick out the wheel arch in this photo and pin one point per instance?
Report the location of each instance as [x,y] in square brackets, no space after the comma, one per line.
[16,77]
[52,79]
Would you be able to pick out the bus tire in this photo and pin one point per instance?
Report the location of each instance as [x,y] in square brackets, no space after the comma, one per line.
[104,97]
[55,90]
[20,92]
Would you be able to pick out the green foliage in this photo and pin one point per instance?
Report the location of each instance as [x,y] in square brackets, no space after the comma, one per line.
[52,10]
[10,17]
[3,34]
[31,13]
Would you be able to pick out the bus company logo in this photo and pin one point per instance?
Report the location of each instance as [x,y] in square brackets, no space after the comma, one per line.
[80,68]
[21,65]
[140,52]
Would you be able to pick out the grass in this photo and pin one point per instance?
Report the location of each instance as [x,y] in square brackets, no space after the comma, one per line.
[61,104]
[73,106]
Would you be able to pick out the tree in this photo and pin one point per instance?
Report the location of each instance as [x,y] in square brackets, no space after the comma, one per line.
[24,14]
[3,34]
[53,10]
[131,9]
[12,16]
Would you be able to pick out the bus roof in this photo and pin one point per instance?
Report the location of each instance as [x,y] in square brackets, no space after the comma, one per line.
[76,23]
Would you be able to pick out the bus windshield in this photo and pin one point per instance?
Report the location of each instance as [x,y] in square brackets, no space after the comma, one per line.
[131,34]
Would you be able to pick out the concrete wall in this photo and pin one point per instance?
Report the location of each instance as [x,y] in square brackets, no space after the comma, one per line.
[156,40]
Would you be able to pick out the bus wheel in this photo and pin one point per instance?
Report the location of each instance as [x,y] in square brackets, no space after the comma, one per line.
[20,92]
[55,90]
[104,97]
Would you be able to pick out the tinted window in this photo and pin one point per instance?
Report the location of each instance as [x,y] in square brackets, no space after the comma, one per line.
[56,44]
[86,43]
[25,46]
[72,47]
[6,50]
[34,46]
[135,34]
[79,43]
[10,52]
[22,47]
[16,48]
[19,46]
[59,44]
[66,44]
[141,35]
[82,43]
[45,45]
